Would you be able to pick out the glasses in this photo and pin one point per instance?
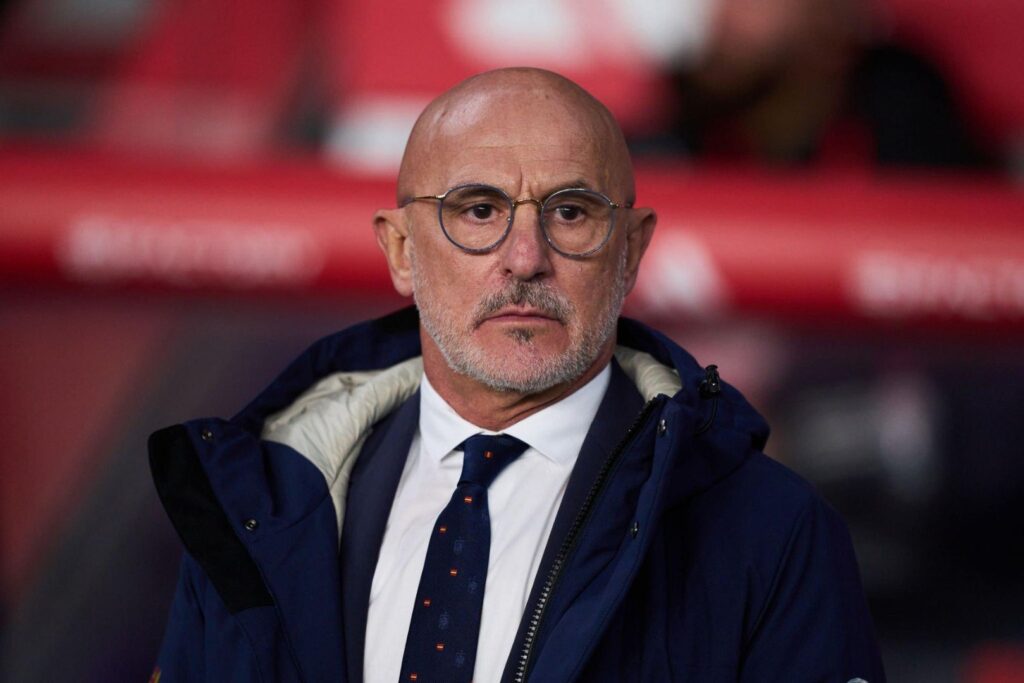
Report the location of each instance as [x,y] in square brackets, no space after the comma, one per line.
[477,218]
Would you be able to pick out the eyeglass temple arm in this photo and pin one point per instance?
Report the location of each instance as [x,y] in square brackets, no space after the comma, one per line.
[409,200]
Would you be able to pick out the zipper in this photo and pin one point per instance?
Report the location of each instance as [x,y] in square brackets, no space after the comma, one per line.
[569,544]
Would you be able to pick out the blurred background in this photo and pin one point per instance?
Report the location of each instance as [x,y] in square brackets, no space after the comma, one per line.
[185,197]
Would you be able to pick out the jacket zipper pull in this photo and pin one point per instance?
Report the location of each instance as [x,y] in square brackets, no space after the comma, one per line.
[710,387]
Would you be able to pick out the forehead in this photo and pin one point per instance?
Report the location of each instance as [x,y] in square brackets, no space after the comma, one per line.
[517,140]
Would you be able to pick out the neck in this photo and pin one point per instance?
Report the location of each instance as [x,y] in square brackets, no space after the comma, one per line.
[492,409]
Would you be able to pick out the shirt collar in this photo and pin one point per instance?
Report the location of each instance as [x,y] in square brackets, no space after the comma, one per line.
[556,432]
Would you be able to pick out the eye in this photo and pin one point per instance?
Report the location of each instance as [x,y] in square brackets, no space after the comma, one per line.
[572,208]
[569,213]
[481,211]
[476,205]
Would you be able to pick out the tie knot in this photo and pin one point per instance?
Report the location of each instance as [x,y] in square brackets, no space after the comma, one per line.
[487,455]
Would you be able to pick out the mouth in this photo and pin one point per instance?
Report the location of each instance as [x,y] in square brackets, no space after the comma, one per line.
[521,315]
[522,305]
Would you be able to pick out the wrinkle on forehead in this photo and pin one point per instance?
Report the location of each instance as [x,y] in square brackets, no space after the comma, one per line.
[515,108]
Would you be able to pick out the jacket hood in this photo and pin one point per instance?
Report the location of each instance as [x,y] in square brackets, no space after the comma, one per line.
[369,346]
[726,427]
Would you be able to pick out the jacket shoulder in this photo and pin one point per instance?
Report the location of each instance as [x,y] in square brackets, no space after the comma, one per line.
[770,542]
[761,499]
[752,528]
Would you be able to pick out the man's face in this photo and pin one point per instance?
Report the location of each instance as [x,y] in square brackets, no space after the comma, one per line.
[522,317]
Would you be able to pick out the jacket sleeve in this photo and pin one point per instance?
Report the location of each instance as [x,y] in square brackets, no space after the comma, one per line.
[182,654]
[814,624]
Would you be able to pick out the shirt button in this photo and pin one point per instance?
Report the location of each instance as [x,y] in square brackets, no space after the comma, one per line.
[250,524]
[206,435]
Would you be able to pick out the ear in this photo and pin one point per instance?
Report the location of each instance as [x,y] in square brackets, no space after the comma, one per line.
[638,237]
[393,238]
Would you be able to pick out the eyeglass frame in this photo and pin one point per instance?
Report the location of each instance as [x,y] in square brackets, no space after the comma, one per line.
[540,203]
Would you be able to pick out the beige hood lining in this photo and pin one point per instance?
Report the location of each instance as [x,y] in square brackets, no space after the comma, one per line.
[330,421]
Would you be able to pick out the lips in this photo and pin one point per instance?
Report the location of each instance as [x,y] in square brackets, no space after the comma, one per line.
[520,317]
[524,313]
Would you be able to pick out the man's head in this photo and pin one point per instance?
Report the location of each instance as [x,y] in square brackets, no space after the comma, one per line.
[521,318]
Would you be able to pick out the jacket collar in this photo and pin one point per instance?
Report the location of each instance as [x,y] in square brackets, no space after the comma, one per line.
[728,425]
[371,345]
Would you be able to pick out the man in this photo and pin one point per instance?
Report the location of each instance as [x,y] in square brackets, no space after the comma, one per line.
[525,487]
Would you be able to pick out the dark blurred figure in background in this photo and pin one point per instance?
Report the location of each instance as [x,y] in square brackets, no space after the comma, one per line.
[805,81]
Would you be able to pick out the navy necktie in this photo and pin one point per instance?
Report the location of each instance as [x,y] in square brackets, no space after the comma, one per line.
[441,645]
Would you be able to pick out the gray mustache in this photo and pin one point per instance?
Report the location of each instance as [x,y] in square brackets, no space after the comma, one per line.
[537,295]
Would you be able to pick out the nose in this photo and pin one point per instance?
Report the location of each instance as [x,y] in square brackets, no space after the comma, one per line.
[525,254]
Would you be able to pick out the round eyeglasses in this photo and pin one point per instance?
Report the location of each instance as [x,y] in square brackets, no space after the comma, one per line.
[576,222]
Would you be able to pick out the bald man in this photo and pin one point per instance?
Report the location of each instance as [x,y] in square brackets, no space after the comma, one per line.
[506,482]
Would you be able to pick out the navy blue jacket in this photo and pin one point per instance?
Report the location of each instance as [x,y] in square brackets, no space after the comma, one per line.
[680,551]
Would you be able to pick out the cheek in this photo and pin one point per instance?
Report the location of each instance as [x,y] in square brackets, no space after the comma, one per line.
[588,283]
[450,284]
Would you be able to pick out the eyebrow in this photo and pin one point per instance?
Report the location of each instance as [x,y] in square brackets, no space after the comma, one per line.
[578,183]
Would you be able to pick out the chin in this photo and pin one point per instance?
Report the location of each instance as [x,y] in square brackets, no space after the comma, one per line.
[521,365]
[522,359]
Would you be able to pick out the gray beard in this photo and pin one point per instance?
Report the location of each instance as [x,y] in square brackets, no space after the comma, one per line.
[536,376]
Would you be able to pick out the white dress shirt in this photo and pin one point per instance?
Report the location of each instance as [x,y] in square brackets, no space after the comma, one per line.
[523,501]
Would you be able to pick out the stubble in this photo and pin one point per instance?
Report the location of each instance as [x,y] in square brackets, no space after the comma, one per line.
[526,370]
